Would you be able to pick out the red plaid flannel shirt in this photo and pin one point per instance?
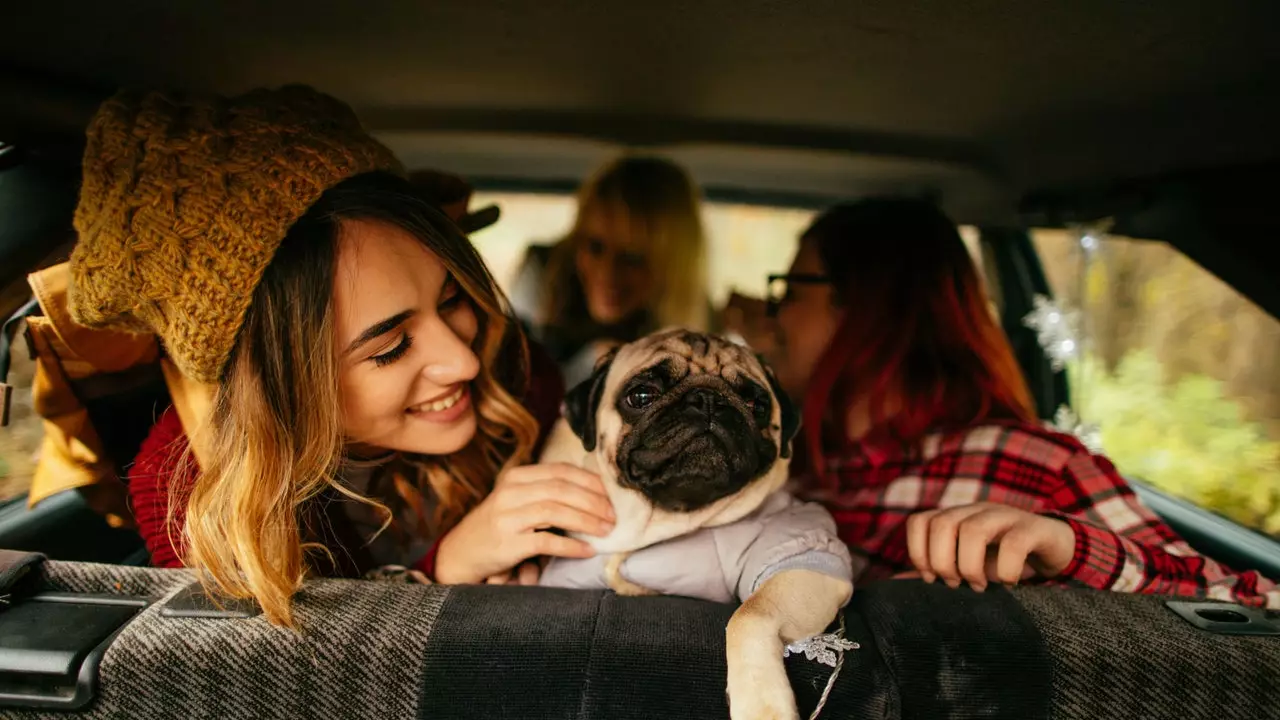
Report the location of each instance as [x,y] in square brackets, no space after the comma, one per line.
[1120,544]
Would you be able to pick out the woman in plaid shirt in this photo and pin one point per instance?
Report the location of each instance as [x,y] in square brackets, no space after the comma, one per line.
[921,437]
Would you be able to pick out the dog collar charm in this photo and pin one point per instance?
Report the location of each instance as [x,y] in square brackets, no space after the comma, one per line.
[821,648]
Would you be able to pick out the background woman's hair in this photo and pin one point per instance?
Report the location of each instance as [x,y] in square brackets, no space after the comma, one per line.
[658,199]
[918,342]
[277,438]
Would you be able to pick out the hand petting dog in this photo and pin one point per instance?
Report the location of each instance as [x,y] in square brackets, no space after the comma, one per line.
[495,542]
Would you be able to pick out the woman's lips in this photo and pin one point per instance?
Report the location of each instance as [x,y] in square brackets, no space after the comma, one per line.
[446,409]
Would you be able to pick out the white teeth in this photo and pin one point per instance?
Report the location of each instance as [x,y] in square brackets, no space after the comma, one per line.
[439,405]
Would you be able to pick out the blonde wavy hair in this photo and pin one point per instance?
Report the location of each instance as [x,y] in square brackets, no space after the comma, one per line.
[658,198]
[276,439]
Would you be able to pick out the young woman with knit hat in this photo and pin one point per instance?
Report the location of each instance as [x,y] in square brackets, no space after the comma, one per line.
[372,404]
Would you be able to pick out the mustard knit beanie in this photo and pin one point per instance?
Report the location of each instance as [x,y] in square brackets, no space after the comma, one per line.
[185,200]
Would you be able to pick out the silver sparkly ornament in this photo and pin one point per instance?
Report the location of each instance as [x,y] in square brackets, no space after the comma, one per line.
[828,649]
[1065,420]
[821,648]
[1057,331]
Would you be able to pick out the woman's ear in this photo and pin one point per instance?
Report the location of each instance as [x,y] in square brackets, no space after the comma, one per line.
[582,403]
[790,416]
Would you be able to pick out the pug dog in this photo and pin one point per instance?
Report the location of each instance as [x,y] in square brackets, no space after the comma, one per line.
[691,437]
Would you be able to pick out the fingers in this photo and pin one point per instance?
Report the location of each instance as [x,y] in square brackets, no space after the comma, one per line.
[1015,548]
[562,491]
[976,534]
[944,531]
[918,542]
[552,545]
[547,471]
[546,514]
[983,543]
[528,573]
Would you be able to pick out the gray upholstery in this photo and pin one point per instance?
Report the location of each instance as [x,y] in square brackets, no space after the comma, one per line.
[358,654]
[373,650]
[1131,657]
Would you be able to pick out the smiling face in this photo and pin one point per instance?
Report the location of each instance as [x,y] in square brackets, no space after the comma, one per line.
[404,333]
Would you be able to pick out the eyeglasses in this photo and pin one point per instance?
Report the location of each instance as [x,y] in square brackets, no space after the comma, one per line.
[779,288]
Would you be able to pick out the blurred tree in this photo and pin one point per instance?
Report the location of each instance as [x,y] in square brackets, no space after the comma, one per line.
[1188,438]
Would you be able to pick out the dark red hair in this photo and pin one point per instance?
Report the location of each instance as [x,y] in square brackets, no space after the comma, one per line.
[917,329]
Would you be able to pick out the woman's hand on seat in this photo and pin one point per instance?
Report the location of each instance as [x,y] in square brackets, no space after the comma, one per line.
[511,525]
[988,542]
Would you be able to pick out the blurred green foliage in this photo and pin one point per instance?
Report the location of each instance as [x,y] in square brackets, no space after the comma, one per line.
[1185,437]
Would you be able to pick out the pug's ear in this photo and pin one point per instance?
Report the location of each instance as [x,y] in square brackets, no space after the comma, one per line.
[583,402]
[790,415]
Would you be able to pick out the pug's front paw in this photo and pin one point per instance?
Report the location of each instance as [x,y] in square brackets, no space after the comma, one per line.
[758,685]
[760,691]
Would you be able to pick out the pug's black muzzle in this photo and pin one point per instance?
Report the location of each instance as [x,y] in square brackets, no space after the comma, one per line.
[698,443]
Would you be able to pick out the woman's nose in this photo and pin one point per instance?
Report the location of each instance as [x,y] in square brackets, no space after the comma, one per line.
[452,362]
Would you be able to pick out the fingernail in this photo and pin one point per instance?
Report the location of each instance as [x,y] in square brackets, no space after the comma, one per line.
[953,584]
[928,577]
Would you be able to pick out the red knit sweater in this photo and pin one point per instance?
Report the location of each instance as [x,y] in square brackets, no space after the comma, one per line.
[152,477]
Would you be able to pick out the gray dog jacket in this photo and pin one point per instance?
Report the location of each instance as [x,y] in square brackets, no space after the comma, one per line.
[725,563]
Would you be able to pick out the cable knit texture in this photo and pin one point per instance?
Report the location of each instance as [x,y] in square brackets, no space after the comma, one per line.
[185,200]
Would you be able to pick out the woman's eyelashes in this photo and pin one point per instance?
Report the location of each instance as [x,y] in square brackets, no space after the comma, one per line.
[451,297]
[394,353]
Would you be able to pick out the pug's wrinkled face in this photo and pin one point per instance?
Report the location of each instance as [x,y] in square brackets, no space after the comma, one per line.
[685,418]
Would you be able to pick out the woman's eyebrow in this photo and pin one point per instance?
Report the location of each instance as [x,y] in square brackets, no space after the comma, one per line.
[378,329]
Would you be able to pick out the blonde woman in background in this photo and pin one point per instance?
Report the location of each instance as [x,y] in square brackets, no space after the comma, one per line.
[633,262]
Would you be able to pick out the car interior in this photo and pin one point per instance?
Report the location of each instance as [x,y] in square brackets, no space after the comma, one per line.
[1158,118]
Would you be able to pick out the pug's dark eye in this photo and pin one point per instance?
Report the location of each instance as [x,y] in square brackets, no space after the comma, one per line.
[642,397]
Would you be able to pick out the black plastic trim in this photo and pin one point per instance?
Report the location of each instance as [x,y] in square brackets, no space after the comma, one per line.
[193,602]
[1224,618]
[1020,277]
[78,686]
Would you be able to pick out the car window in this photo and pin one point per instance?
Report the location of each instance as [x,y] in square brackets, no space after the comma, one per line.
[745,243]
[1177,371]
[20,440]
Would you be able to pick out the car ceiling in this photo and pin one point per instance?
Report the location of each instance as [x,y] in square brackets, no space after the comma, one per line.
[1040,92]
[980,103]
